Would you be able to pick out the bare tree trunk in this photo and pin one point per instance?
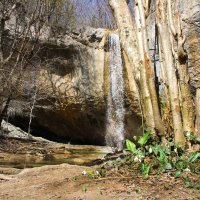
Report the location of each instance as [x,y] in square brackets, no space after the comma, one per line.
[147,63]
[164,33]
[129,42]
[165,108]
[146,96]
[188,113]
[127,34]
[146,4]
[187,102]
[133,87]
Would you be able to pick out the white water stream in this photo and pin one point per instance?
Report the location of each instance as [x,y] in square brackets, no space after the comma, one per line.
[115,102]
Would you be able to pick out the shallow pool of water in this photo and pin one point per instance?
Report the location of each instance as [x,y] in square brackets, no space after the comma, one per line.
[58,156]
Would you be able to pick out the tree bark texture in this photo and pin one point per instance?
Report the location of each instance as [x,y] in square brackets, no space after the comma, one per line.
[188,112]
[145,93]
[164,34]
[127,34]
[147,63]
[187,104]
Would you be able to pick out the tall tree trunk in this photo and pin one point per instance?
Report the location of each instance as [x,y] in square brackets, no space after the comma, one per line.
[128,43]
[187,102]
[164,33]
[130,46]
[127,33]
[147,63]
[133,87]
[146,95]
[166,110]
[188,113]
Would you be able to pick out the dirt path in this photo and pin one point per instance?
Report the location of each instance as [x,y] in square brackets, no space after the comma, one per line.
[67,182]
[59,182]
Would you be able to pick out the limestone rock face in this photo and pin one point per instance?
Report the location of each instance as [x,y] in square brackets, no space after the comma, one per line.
[71,90]
[190,11]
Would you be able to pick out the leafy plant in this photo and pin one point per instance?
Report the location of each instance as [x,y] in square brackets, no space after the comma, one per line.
[130,146]
[183,165]
[147,155]
[178,173]
[194,157]
[102,171]
[162,154]
[145,169]
[145,138]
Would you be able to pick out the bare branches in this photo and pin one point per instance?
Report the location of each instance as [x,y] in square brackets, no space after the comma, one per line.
[20,44]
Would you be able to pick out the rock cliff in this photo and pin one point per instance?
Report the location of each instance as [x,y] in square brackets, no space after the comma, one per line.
[70,81]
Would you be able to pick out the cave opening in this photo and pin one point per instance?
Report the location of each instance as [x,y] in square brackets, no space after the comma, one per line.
[40,131]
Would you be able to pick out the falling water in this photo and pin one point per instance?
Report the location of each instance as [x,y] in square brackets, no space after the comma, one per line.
[115,102]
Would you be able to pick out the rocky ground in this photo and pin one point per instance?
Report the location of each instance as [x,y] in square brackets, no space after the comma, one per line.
[66,181]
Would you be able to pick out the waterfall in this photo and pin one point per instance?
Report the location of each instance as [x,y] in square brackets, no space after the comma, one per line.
[115,100]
